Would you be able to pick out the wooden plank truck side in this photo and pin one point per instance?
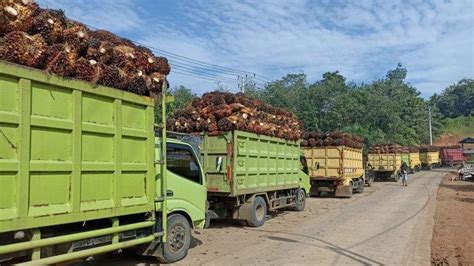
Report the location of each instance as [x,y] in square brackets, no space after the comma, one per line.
[335,169]
[82,173]
[250,174]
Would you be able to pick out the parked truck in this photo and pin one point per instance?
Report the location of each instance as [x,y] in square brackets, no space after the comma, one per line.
[415,163]
[429,159]
[452,156]
[250,174]
[385,165]
[82,172]
[335,169]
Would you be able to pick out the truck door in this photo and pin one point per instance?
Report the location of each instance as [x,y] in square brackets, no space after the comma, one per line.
[186,185]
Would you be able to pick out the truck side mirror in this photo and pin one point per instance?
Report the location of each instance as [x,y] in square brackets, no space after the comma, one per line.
[316,165]
[219,161]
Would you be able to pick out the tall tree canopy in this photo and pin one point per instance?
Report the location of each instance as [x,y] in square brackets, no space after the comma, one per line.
[387,110]
[456,100]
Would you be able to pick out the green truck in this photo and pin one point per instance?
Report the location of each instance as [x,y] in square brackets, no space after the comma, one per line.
[83,172]
[250,174]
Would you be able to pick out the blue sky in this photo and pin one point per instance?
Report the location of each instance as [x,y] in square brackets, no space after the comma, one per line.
[361,39]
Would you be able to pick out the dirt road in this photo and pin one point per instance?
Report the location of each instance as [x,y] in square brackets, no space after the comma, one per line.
[391,225]
[387,224]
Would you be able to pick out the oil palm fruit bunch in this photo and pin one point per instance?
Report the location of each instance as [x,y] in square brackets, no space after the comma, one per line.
[62,62]
[385,148]
[103,35]
[21,48]
[427,148]
[16,15]
[335,138]
[50,24]
[46,39]
[76,35]
[221,111]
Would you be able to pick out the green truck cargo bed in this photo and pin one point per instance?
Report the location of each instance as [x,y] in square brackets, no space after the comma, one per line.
[71,151]
[238,163]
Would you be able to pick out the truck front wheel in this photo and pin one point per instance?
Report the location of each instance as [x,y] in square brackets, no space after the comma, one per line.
[178,240]
[300,201]
[258,213]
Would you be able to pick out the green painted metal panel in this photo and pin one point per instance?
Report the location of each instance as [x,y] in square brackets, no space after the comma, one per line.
[251,163]
[71,151]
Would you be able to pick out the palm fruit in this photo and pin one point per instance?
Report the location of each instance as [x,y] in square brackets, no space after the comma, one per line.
[50,24]
[103,35]
[86,70]
[63,62]
[21,48]
[16,15]
[76,35]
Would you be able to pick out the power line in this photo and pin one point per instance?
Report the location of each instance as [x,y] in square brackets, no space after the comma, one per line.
[203,77]
[197,71]
[201,67]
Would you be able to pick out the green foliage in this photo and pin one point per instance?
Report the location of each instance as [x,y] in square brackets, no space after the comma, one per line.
[181,96]
[462,126]
[456,100]
[387,110]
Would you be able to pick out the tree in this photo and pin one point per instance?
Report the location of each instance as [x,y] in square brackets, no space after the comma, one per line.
[456,100]
[182,95]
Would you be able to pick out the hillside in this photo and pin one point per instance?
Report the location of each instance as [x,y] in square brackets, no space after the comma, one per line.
[455,129]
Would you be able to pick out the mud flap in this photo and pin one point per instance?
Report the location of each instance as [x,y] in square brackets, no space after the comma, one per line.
[344,191]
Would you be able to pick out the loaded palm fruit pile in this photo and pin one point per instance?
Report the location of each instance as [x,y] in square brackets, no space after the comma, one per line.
[413,149]
[222,111]
[387,148]
[47,40]
[320,139]
[427,148]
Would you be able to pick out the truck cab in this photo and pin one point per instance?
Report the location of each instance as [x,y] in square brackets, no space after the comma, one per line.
[187,189]
[185,200]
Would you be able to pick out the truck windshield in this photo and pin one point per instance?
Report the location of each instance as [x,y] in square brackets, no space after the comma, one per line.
[181,161]
[304,165]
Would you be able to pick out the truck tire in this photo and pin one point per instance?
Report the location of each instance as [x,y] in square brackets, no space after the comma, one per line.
[300,201]
[361,187]
[258,212]
[178,240]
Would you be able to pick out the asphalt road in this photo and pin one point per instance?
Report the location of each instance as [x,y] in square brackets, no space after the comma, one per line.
[387,224]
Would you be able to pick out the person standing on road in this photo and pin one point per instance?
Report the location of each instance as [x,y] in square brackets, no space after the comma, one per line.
[404,173]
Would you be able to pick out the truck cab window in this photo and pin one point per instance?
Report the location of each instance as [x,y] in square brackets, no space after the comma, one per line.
[304,165]
[181,161]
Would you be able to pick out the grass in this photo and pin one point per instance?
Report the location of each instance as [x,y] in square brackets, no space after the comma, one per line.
[462,126]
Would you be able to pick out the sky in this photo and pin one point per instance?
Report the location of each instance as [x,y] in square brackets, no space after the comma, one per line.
[362,39]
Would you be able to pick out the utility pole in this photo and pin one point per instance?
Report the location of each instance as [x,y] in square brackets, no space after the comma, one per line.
[429,124]
[242,80]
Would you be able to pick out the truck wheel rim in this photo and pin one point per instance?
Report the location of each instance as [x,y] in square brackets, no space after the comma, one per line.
[177,238]
[259,212]
[300,198]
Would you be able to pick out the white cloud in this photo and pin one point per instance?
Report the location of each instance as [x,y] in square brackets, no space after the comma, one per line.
[433,39]
[113,15]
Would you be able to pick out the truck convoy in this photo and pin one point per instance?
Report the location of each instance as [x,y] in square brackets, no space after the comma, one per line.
[249,175]
[385,161]
[429,157]
[415,163]
[335,169]
[452,155]
[335,162]
[251,155]
[82,172]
